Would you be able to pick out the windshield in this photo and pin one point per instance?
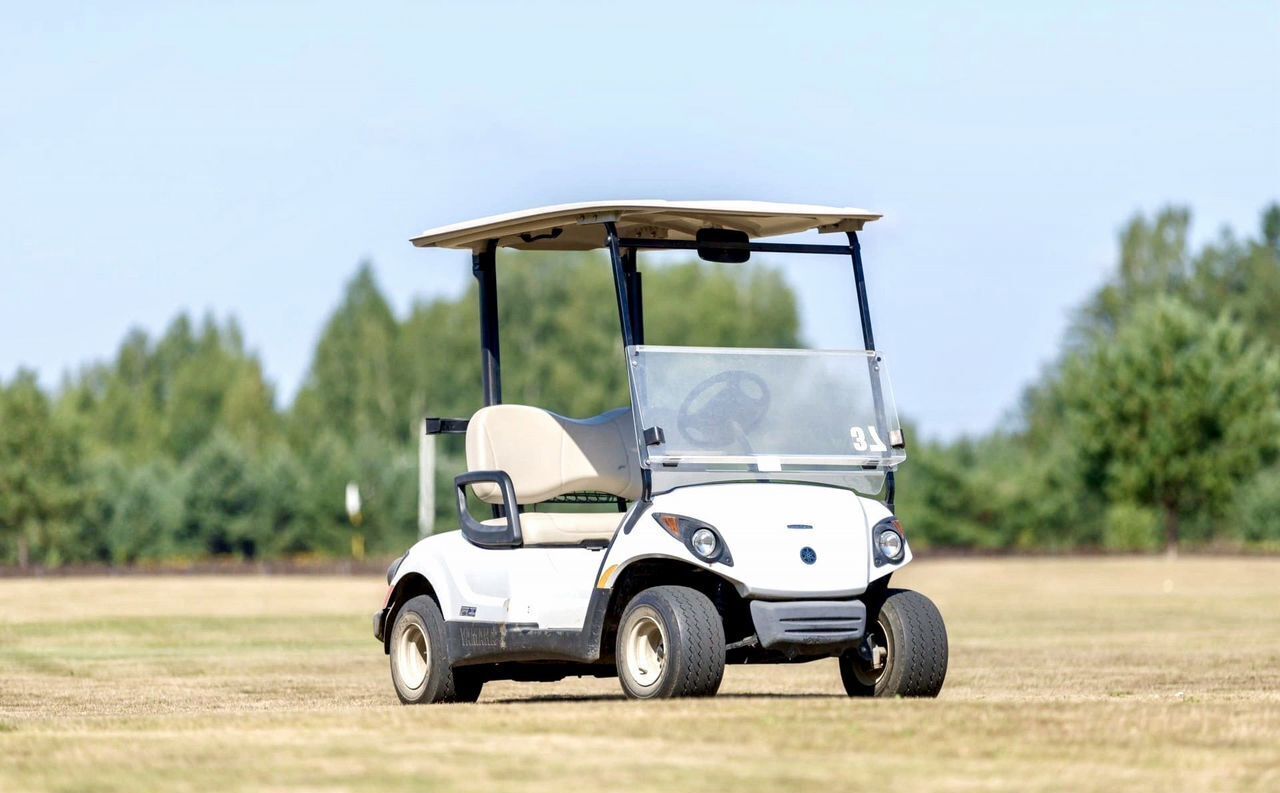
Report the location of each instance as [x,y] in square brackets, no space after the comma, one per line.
[713,408]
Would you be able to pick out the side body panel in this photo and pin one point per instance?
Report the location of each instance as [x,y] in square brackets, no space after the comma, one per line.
[544,587]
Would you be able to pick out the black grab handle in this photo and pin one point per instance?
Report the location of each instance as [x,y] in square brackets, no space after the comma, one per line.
[478,533]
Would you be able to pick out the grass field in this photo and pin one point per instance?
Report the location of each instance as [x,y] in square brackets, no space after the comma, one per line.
[1079,674]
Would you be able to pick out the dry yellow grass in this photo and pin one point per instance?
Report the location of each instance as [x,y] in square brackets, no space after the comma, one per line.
[1065,674]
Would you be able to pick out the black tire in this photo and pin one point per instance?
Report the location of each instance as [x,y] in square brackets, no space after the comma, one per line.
[420,667]
[690,653]
[910,629]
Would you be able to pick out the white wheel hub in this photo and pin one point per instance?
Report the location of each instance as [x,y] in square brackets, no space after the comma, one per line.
[413,656]
[646,646]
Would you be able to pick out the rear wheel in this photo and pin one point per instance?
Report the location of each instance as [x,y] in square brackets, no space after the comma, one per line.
[670,644]
[420,660]
[904,653]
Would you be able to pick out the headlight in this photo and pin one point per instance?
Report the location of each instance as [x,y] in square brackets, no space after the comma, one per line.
[704,543]
[889,543]
[702,539]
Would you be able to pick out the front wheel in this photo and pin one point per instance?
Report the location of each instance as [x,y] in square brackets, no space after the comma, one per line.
[904,653]
[670,644]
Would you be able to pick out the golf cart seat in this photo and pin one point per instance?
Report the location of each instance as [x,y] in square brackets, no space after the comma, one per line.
[547,456]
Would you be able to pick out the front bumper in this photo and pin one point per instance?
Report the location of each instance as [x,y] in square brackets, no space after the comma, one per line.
[809,627]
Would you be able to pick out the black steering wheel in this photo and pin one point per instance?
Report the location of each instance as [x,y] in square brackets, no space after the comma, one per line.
[723,408]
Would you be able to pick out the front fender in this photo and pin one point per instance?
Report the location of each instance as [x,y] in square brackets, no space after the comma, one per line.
[433,558]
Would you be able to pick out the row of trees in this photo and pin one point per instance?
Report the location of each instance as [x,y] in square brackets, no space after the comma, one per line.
[1158,424]
[177,449]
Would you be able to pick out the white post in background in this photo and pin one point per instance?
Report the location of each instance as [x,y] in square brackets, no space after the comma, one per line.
[355,514]
[426,481]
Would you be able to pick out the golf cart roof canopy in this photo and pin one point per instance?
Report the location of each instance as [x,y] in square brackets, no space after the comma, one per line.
[577,227]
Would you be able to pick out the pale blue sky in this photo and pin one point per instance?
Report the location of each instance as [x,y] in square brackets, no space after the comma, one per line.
[242,157]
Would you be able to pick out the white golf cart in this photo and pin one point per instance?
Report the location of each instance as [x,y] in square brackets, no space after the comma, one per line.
[745,528]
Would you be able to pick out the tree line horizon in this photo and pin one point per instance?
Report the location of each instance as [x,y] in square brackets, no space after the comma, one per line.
[1157,426]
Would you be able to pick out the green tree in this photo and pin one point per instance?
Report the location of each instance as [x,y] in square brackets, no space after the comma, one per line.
[40,475]
[1241,278]
[1154,260]
[146,514]
[720,305]
[940,501]
[352,382]
[168,397]
[329,465]
[282,517]
[386,473]
[1172,411]
[995,492]
[212,382]
[121,402]
[221,501]
[1257,512]
[1271,227]
[106,476]
[1230,277]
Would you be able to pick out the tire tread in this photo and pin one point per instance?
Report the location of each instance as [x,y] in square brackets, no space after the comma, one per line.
[918,666]
[697,664]
[444,684]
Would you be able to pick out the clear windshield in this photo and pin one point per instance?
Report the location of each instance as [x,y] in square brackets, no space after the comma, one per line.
[763,410]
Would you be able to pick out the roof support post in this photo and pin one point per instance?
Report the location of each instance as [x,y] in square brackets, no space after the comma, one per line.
[626,282]
[621,284]
[634,295]
[873,361]
[483,267]
[860,282]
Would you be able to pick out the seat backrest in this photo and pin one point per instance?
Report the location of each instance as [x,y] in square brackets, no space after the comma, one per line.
[548,455]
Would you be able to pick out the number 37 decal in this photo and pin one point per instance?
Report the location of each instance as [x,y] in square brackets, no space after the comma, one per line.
[861,436]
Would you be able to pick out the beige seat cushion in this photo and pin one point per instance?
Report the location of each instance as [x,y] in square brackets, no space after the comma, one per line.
[564,528]
[547,455]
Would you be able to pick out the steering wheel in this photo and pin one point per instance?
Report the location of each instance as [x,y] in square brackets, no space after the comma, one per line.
[723,408]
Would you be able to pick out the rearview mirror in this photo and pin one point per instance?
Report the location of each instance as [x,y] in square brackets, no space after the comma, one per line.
[709,241]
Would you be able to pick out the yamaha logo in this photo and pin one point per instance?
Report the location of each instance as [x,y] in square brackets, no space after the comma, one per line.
[808,555]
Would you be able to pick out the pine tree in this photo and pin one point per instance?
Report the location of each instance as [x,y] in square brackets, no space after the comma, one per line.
[1173,411]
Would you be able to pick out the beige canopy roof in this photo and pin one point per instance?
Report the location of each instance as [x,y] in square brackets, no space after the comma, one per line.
[576,227]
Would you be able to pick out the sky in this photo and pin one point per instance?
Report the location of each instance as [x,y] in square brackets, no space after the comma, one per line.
[242,158]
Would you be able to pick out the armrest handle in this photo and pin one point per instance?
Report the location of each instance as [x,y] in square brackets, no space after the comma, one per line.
[478,533]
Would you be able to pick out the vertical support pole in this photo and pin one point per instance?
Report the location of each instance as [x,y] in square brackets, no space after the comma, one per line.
[873,362]
[620,283]
[626,282]
[634,296]
[483,267]
[860,283]
[426,481]
[636,299]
